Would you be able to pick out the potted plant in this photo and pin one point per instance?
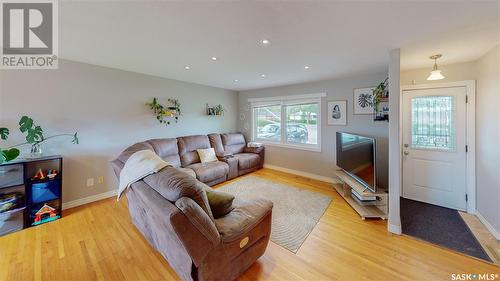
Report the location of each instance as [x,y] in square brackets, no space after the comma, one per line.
[219,109]
[379,93]
[34,136]
[173,110]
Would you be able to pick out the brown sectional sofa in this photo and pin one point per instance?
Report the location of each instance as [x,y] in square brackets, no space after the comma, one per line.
[171,209]
[181,153]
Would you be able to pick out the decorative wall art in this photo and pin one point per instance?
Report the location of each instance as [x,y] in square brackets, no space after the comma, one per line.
[363,100]
[337,113]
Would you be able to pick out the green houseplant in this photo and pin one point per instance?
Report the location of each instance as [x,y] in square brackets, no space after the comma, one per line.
[34,136]
[172,110]
[7,154]
[379,93]
[219,109]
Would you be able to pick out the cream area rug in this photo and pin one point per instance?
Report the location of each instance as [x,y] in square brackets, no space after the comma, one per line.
[295,213]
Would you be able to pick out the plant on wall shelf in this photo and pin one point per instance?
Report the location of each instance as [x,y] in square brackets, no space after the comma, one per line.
[379,93]
[219,109]
[172,110]
[34,136]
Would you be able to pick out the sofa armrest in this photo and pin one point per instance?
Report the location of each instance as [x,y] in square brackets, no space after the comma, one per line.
[256,150]
[233,166]
[168,228]
[199,219]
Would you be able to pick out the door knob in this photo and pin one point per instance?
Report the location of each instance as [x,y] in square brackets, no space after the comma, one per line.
[406,153]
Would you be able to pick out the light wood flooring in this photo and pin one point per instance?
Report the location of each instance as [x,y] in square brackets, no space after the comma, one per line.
[98,242]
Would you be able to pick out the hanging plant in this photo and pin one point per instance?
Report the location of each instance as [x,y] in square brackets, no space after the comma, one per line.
[163,112]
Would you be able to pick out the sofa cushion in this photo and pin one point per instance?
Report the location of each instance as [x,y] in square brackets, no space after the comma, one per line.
[245,216]
[167,150]
[221,203]
[247,160]
[173,184]
[188,171]
[233,143]
[216,143]
[207,172]
[207,155]
[188,146]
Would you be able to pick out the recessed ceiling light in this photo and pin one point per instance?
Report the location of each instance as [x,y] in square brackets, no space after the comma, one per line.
[263,75]
[265,41]
[213,58]
[236,80]
[187,67]
[307,67]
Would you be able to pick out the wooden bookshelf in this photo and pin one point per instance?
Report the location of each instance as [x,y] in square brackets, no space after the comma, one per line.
[377,209]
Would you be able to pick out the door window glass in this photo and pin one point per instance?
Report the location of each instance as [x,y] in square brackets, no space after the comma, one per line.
[432,122]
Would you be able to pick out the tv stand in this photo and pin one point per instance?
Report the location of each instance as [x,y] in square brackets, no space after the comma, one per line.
[373,209]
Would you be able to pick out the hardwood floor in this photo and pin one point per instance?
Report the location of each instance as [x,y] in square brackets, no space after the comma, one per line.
[98,242]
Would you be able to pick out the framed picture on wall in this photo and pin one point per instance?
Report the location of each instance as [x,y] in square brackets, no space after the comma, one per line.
[337,113]
[363,100]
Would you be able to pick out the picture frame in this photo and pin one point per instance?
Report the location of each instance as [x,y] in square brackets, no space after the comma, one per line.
[363,100]
[337,113]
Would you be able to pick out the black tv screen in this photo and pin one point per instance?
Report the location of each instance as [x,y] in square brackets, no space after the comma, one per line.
[356,156]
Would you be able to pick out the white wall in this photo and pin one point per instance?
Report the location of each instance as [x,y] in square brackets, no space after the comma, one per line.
[323,163]
[107,108]
[487,138]
[486,71]
[394,224]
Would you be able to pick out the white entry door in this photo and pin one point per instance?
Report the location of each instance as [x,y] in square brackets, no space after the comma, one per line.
[434,146]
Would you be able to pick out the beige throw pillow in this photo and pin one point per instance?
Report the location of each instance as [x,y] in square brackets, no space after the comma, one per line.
[207,155]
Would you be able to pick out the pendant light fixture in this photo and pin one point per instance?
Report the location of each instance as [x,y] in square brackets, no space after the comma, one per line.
[435,73]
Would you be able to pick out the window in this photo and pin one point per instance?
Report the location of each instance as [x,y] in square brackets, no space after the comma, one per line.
[268,122]
[299,116]
[433,123]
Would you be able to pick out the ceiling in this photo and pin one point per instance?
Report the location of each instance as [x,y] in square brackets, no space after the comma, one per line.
[335,39]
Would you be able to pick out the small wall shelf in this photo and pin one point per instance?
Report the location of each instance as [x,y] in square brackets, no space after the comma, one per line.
[379,209]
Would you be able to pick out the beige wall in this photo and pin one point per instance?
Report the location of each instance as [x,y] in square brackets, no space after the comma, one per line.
[323,163]
[107,108]
[486,71]
[488,137]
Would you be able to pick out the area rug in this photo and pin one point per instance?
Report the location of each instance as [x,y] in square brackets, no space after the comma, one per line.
[438,225]
[295,213]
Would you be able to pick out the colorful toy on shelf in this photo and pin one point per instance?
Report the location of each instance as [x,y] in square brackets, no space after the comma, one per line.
[11,201]
[39,175]
[45,214]
[51,174]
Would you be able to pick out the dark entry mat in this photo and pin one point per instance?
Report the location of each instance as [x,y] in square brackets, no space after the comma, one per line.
[438,225]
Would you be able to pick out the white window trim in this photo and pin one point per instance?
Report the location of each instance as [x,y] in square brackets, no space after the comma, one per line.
[284,101]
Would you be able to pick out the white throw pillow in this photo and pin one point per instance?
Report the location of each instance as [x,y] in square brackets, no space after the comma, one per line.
[207,155]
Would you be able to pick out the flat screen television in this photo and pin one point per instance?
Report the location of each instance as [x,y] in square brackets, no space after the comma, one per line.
[356,156]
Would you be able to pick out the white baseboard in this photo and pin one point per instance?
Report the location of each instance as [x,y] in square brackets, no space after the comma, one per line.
[396,229]
[89,199]
[490,228]
[302,174]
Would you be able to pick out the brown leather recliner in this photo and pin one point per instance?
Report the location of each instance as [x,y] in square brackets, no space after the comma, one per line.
[210,173]
[245,159]
[171,210]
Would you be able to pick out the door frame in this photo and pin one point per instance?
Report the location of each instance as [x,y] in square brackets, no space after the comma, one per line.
[470,108]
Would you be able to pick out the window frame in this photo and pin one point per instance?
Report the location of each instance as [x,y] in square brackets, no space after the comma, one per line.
[285,101]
